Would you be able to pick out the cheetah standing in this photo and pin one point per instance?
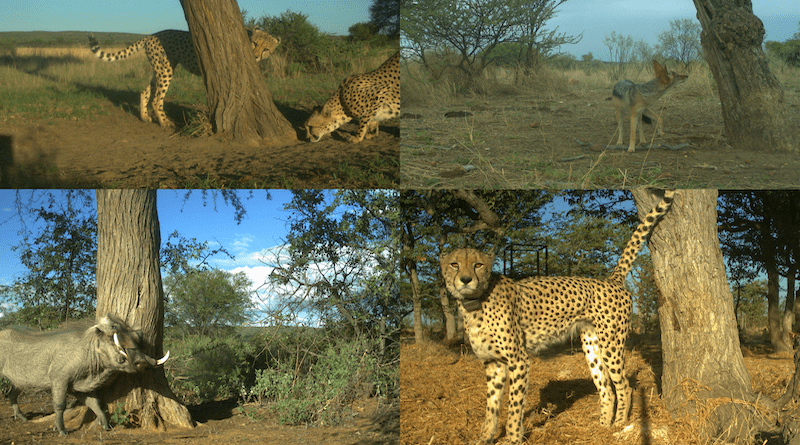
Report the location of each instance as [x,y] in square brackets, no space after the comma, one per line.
[370,98]
[166,50]
[507,321]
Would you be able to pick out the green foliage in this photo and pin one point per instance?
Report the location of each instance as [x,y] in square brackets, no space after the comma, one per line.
[750,303]
[474,29]
[362,31]
[208,368]
[119,416]
[788,52]
[204,301]
[60,257]
[342,372]
[681,42]
[301,42]
[385,16]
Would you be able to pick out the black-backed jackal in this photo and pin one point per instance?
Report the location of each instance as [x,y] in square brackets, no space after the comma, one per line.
[634,99]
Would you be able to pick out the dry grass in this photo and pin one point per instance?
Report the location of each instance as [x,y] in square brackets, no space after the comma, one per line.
[76,52]
[562,403]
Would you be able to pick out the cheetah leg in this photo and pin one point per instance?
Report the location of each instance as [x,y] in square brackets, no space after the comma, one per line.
[495,384]
[517,389]
[161,87]
[372,131]
[615,363]
[144,101]
[600,375]
[363,126]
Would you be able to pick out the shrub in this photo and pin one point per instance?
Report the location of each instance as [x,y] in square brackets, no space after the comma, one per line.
[208,368]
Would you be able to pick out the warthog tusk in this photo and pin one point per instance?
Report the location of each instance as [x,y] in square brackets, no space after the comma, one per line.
[121,349]
[163,359]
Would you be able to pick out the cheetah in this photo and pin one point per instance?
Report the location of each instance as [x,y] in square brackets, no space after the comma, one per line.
[370,98]
[165,50]
[508,321]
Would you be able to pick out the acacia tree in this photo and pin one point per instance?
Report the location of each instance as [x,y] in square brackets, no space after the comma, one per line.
[129,285]
[703,366]
[681,42]
[59,284]
[239,103]
[754,107]
[385,15]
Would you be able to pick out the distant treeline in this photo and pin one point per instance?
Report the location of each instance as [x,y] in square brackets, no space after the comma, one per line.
[56,39]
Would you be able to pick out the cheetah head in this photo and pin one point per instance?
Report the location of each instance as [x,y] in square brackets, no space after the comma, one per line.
[321,122]
[263,44]
[466,274]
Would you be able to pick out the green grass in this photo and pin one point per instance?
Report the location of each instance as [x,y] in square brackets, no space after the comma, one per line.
[34,97]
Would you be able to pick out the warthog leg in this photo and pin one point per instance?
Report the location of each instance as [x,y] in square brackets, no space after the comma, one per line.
[12,396]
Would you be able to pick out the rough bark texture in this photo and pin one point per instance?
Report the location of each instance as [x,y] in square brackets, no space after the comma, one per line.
[753,105]
[410,268]
[129,285]
[239,103]
[790,419]
[448,313]
[703,374]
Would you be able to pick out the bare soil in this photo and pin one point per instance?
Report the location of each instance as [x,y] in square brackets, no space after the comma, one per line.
[117,150]
[559,140]
[218,423]
[443,397]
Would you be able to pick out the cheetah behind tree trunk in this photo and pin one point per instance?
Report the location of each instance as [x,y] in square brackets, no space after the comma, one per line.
[507,321]
[166,50]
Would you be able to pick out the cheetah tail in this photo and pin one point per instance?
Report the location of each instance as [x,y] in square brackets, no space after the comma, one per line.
[108,57]
[639,236]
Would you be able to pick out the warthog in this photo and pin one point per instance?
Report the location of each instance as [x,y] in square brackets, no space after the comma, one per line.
[71,360]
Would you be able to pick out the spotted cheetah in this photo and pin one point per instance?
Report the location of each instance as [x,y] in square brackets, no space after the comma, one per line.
[370,98]
[165,50]
[508,321]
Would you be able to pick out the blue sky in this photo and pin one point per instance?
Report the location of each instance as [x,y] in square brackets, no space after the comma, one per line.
[646,20]
[149,16]
[259,235]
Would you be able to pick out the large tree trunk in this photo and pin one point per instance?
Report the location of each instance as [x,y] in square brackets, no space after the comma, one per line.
[129,285]
[753,104]
[239,103]
[703,364]
[788,311]
[448,315]
[769,257]
[410,267]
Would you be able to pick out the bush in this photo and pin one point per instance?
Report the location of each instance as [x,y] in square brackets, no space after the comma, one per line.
[208,368]
[343,372]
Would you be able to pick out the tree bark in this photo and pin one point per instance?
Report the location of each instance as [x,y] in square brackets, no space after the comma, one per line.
[449,315]
[788,311]
[754,108]
[703,374]
[239,103]
[129,285]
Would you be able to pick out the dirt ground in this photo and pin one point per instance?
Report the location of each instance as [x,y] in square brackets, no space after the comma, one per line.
[524,140]
[118,150]
[443,397]
[218,423]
